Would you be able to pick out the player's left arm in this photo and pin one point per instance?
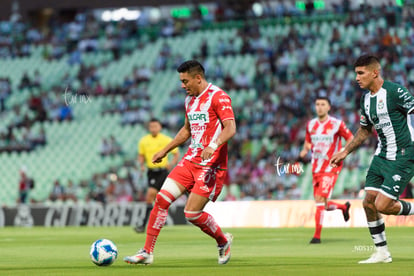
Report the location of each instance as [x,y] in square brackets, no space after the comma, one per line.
[229,129]
[222,106]
[346,134]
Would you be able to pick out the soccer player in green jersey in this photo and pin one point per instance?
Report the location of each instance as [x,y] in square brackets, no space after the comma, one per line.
[386,107]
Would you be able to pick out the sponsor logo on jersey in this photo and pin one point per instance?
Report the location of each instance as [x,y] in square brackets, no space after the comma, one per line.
[205,188]
[226,107]
[322,138]
[379,126]
[198,128]
[198,117]
[382,115]
[396,178]
[224,100]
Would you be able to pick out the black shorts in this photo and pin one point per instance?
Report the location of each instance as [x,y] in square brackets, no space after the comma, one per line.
[156,178]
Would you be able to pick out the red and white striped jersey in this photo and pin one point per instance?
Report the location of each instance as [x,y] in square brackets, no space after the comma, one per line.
[206,114]
[325,138]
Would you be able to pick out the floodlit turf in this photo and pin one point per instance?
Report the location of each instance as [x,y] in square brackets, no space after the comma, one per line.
[185,250]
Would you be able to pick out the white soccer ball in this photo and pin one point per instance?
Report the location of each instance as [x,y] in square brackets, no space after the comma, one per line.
[103,252]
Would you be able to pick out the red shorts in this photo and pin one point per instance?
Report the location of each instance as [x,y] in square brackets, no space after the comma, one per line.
[204,181]
[323,184]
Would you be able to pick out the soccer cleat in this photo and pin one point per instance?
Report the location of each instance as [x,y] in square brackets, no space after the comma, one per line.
[142,257]
[346,211]
[225,250]
[139,229]
[315,240]
[380,256]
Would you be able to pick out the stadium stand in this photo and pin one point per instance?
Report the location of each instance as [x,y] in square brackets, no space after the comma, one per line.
[89,89]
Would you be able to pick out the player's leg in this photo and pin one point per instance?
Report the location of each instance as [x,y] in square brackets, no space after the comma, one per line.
[375,221]
[208,186]
[169,192]
[149,200]
[155,182]
[395,181]
[194,213]
[332,205]
[322,189]
[320,203]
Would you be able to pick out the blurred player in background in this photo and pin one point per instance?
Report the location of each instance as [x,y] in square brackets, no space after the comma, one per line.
[323,136]
[157,173]
[386,107]
[210,123]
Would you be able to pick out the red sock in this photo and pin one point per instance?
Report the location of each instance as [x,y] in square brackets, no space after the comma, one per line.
[157,218]
[333,206]
[318,220]
[207,224]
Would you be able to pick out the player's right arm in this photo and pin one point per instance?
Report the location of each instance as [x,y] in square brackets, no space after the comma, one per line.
[306,148]
[361,135]
[183,134]
[307,145]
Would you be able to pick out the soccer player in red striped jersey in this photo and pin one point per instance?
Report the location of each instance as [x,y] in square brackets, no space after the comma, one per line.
[210,123]
[323,137]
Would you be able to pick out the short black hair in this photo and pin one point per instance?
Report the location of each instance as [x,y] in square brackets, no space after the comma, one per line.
[192,67]
[154,120]
[323,98]
[366,60]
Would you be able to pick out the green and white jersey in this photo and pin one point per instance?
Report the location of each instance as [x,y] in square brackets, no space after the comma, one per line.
[388,111]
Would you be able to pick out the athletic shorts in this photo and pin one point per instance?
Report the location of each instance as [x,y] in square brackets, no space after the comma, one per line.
[389,177]
[323,184]
[201,180]
[156,177]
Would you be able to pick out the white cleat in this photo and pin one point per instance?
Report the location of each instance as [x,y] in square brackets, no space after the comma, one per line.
[380,256]
[225,250]
[142,257]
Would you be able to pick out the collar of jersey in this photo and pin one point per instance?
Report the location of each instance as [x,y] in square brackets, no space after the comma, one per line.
[379,91]
[207,88]
[329,117]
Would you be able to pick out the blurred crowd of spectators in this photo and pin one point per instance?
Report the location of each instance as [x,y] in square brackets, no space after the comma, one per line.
[277,114]
[110,146]
[122,184]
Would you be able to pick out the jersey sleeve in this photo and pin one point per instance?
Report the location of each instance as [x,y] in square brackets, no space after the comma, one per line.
[405,100]
[344,131]
[363,118]
[222,106]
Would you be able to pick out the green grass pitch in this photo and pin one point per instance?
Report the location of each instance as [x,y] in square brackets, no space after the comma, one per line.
[185,250]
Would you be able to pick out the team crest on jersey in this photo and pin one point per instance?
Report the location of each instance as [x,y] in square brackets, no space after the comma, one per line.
[381,104]
[396,177]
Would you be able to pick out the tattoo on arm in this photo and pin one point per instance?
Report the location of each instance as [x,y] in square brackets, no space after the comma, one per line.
[359,138]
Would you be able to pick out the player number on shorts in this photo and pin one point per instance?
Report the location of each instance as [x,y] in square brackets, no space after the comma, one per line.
[206,176]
